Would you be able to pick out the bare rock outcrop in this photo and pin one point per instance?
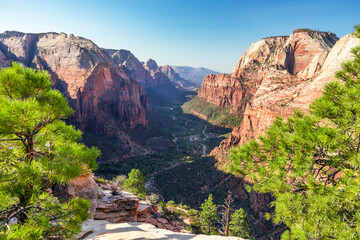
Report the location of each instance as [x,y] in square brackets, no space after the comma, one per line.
[104,97]
[151,65]
[159,77]
[116,208]
[84,187]
[281,60]
[132,66]
[126,207]
[295,87]
[102,230]
[302,53]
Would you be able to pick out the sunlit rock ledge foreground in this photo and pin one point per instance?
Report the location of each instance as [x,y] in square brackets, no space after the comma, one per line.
[101,230]
[124,216]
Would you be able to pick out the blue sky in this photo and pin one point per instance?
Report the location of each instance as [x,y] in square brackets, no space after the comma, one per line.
[196,33]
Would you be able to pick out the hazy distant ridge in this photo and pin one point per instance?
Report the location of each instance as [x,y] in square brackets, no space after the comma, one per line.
[195,75]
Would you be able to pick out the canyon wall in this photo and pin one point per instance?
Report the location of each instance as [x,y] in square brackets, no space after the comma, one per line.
[273,99]
[273,77]
[283,60]
[104,97]
[133,67]
[282,74]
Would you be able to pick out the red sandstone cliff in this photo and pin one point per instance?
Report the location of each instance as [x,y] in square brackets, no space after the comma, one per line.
[104,97]
[274,76]
[289,59]
[288,73]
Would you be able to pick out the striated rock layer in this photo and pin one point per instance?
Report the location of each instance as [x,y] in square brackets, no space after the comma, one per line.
[104,97]
[291,74]
[282,59]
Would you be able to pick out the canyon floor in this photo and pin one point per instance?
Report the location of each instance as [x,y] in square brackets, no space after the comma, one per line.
[174,137]
[180,168]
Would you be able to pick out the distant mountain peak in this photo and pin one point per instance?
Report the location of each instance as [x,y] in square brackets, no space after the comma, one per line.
[151,65]
[192,74]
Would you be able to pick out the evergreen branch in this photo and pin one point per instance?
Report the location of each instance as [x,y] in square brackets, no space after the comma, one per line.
[11,139]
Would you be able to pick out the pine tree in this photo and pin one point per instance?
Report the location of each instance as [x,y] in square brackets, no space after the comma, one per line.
[225,211]
[38,150]
[208,216]
[311,162]
[239,225]
[135,183]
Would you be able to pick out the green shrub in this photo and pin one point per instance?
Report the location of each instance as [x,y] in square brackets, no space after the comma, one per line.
[171,203]
[101,180]
[135,183]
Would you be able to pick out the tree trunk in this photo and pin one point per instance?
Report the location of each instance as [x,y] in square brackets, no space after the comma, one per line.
[23,202]
[227,221]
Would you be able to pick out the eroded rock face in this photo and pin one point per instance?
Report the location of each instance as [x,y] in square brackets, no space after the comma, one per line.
[159,77]
[84,187]
[104,97]
[226,91]
[287,92]
[302,53]
[151,65]
[281,60]
[121,207]
[3,61]
[132,66]
[118,208]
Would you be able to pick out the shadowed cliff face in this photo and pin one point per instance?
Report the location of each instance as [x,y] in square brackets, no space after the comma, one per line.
[156,73]
[103,96]
[132,66]
[3,61]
